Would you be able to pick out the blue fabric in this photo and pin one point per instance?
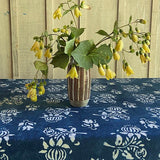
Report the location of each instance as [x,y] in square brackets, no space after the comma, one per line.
[121,122]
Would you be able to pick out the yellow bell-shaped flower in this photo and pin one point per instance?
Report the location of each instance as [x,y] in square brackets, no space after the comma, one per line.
[119,45]
[134,38]
[57,13]
[129,70]
[35,46]
[31,92]
[41,90]
[84,6]
[34,98]
[101,70]
[41,44]
[146,48]
[72,73]
[77,12]
[48,53]
[116,56]
[143,58]
[39,54]
[110,74]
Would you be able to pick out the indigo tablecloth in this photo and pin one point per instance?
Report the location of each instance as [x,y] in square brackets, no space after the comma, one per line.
[121,122]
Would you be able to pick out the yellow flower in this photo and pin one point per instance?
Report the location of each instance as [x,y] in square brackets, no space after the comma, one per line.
[83,5]
[32,92]
[57,13]
[39,54]
[143,58]
[72,73]
[129,70]
[34,98]
[55,30]
[63,30]
[148,58]
[148,37]
[104,66]
[101,70]
[146,48]
[116,56]
[27,86]
[35,46]
[142,21]
[48,53]
[148,42]
[134,38]
[119,46]
[77,12]
[41,44]
[41,90]
[110,74]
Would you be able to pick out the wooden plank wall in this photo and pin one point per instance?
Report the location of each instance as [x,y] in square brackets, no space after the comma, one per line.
[23,19]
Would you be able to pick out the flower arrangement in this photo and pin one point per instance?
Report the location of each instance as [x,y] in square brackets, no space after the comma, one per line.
[86,53]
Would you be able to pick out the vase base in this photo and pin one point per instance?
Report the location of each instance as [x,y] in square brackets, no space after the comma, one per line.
[79,103]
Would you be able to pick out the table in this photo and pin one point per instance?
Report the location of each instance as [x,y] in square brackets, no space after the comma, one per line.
[121,122]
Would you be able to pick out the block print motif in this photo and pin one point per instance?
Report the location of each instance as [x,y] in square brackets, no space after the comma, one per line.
[57,114]
[57,149]
[113,113]
[131,146]
[7,114]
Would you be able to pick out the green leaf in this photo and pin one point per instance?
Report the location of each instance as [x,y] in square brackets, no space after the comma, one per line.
[51,38]
[77,31]
[101,55]
[130,19]
[46,33]
[45,72]
[35,38]
[60,60]
[42,66]
[80,54]
[61,42]
[66,12]
[116,25]
[69,47]
[102,32]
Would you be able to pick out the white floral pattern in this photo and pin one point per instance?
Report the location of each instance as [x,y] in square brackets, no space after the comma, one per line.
[104,98]
[99,87]
[56,88]
[148,123]
[131,131]
[127,148]
[4,135]
[129,105]
[131,88]
[114,91]
[26,125]
[155,112]
[113,113]
[145,98]
[31,107]
[7,114]
[17,100]
[57,114]
[123,80]
[62,133]
[92,124]
[56,98]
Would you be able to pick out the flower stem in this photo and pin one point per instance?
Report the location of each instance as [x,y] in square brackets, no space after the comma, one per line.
[104,39]
[72,15]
